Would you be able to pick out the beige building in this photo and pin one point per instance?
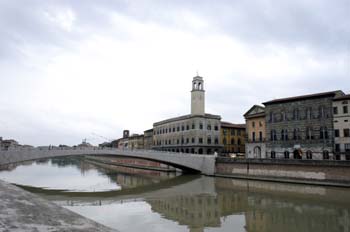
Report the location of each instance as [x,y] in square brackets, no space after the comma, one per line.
[148,139]
[256,132]
[197,132]
[136,141]
[341,117]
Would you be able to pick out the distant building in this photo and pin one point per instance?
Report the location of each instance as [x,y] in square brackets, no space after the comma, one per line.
[124,142]
[301,127]
[256,132]
[341,112]
[9,144]
[232,138]
[136,142]
[197,132]
[148,139]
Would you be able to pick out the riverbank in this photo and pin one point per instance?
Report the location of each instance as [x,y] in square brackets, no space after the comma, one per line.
[312,172]
[24,211]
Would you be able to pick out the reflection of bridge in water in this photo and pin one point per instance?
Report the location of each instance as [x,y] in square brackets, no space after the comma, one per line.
[188,162]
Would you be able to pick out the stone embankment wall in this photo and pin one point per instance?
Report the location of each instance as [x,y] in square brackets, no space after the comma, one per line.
[331,173]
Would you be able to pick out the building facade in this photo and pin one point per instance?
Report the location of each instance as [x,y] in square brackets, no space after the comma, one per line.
[256,133]
[136,141]
[341,108]
[148,139]
[197,133]
[232,138]
[301,127]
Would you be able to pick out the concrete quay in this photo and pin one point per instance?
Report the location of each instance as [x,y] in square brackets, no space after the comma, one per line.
[23,211]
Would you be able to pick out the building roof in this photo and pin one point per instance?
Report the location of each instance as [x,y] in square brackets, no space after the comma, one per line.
[305,97]
[232,125]
[188,116]
[260,112]
[344,97]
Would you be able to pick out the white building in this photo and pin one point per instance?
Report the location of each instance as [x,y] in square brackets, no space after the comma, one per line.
[197,132]
[341,114]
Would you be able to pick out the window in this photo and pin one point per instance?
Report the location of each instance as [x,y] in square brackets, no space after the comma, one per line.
[273,135]
[216,128]
[216,141]
[224,141]
[323,133]
[347,147]
[346,132]
[335,110]
[309,133]
[308,154]
[178,128]
[182,140]
[345,109]
[253,124]
[336,133]
[193,140]
[308,113]
[232,132]
[200,140]
[224,131]
[260,124]
[232,141]
[296,114]
[273,155]
[238,132]
[260,136]
[173,129]
[271,119]
[296,134]
[284,135]
[286,154]
[321,112]
[187,127]
[239,141]
[200,126]
[337,147]
[187,140]
[209,127]
[193,126]
[209,140]
[253,136]
[325,155]
[182,127]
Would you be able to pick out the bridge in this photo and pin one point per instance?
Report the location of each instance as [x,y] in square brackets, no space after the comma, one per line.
[204,164]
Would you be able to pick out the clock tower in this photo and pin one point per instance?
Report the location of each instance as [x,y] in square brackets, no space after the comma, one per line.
[198,96]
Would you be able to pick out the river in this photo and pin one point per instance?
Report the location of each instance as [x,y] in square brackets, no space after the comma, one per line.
[133,200]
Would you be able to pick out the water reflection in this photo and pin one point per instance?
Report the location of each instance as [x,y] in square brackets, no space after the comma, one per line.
[156,201]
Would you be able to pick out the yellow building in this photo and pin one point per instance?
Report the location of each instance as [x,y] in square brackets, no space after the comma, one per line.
[232,137]
[256,131]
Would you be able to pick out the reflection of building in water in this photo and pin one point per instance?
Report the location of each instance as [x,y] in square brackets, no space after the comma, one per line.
[274,215]
[199,211]
[265,210]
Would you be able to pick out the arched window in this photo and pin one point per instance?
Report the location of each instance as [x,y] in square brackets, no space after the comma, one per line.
[273,155]
[308,154]
[286,154]
[325,155]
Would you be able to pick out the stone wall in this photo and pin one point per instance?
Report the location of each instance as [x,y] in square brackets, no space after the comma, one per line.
[299,171]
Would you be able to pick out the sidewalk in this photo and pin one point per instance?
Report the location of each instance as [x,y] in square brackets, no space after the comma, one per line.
[23,211]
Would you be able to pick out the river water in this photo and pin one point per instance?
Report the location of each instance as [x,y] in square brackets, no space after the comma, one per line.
[133,200]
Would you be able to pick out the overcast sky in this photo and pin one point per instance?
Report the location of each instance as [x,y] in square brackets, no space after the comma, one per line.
[72,68]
